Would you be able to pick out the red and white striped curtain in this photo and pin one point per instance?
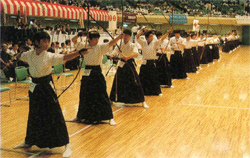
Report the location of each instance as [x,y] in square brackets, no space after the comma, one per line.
[43,9]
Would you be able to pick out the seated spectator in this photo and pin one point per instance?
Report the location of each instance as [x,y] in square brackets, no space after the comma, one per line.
[34,26]
[14,51]
[29,44]
[52,47]
[23,48]
[57,48]
[68,30]
[63,49]
[7,65]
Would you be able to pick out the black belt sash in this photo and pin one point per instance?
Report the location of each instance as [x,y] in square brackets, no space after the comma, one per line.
[42,80]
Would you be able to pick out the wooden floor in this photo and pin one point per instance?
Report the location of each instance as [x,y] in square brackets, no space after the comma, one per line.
[207,116]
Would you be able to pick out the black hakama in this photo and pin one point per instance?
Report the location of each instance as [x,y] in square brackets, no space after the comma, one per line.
[200,52]
[177,66]
[216,52]
[234,44]
[225,47]
[237,42]
[149,78]
[231,45]
[162,66]
[196,57]
[209,52]
[203,55]
[188,61]
[46,125]
[129,88]
[94,104]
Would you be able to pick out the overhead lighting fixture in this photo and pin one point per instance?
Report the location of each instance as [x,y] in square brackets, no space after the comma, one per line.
[73,20]
[125,25]
[48,19]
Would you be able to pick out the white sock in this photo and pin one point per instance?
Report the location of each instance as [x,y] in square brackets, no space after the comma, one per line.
[112,122]
[67,152]
[145,105]
[22,145]
[161,95]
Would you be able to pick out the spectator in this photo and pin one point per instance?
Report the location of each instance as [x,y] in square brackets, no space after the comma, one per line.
[7,65]
[52,47]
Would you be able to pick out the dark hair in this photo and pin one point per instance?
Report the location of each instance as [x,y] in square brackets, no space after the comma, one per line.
[193,34]
[105,41]
[52,44]
[62,44]
[127,32]
[148,33]
[57,42]
[67,42]
[25,48]
[39,36]
[158,33]
[94,34]
[187,35]
[177,31]
[13,44]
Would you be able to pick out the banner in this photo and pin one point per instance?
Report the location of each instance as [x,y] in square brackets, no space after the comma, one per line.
[196,26]
[131,18]
[243,20]
[112,20]
[177,19]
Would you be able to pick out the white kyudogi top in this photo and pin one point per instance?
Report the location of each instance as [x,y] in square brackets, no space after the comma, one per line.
[40,65]
[232,37]
[216,40]
[201,42]
[195,42]
[95,55]
[209,40]
[12,52]
[69,49]
[163,46]
[127,50]
[225,38]
[149,50]
[188,44]
[173,44]
[57,50]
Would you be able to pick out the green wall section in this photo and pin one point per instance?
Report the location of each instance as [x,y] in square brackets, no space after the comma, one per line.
[246,35]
